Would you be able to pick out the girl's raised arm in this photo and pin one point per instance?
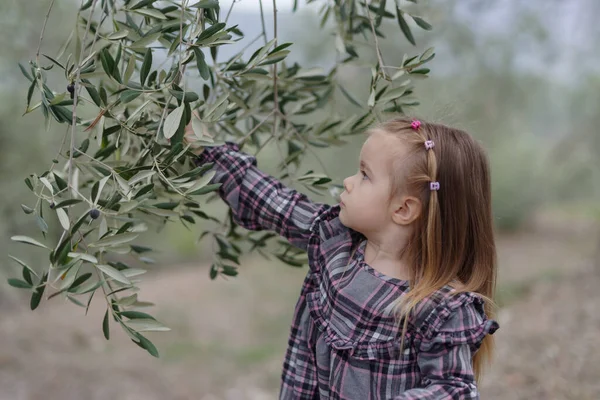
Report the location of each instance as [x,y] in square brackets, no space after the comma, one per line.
[259,201]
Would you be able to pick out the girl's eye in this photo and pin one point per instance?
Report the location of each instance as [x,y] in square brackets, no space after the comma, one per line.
[364,175]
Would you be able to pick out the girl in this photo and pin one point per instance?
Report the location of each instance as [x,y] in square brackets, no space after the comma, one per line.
[402,271]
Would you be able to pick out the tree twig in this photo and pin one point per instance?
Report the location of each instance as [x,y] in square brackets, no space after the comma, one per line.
[37,54]
[303,139]
[242,140]
[262,21]
[275,94]
[76,96]
[377,48]
[229,12]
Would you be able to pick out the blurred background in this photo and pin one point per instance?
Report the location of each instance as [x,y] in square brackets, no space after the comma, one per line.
[523,77]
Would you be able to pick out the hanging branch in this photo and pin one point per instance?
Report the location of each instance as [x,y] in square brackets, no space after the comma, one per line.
[139,173]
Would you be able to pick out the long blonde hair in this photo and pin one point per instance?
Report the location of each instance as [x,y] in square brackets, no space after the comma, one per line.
[453,239]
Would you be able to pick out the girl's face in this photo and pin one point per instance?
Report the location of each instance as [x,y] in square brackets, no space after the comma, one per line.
[365,203]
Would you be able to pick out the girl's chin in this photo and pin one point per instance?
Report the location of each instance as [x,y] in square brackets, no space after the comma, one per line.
[343,218]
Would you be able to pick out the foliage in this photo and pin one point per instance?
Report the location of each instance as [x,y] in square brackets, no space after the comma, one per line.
[133,73]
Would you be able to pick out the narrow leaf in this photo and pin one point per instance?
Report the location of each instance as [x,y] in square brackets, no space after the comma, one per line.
[145,70]
[63,218]
[404,26]
[19,284]
[147,325]
[172,122]
[105,327]
[422,23]
[113,273]
[22,263]
[28,240]
[114,240]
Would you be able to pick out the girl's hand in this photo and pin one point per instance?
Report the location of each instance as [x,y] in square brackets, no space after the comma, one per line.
[191,138]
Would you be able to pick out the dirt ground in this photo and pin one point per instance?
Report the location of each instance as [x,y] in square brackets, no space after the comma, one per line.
[228,337]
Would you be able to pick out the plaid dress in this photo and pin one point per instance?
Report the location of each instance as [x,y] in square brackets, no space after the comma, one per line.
[344,342]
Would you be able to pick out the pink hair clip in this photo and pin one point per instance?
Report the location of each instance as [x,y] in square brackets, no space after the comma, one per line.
[416,124]
[434,186]
[429,144]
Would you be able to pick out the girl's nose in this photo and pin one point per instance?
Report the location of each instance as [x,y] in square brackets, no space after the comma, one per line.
[347,185]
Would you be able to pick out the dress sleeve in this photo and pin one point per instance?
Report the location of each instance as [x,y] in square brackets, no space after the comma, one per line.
[259,201]
[451,336]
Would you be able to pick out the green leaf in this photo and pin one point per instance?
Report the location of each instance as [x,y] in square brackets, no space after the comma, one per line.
[79,281]
[129,95]
[28,240]
[114,240]
[79,222]
[24,71]
[54,61]
[172,122]
[130,69]
[84,256]
[19,284]
[205,189]
[87,5]
[141,4]
[404,26]
[422,23]
[202,182]
[201,64]
[60,182]
[146,344]
[349,96]
[229,270]
[41,223]
[210,31]
[136,315]
[189,97]
[75,301]
[30,93]
[24,265]
[144,190]
[105,327]
[146,40]
[67,203]
[113,273]
[90,287]
[26,209]
[147,64]
[36,297]
[150,12]
[140,176]
[94,95]
[207,4]
[392,94]
[118,35]
[427,55]
[27,275]
[63,218]
[108,63]
[147,325]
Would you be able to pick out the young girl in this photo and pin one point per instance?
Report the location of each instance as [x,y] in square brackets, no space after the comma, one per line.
[402,272]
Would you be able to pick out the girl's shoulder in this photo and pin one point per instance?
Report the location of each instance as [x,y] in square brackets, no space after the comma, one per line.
[453,316]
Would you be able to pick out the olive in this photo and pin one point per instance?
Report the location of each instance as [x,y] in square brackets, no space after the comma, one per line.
[71,89]
[52,205]
[94,213]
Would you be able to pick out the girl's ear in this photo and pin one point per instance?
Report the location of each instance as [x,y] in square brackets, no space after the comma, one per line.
[406,210]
